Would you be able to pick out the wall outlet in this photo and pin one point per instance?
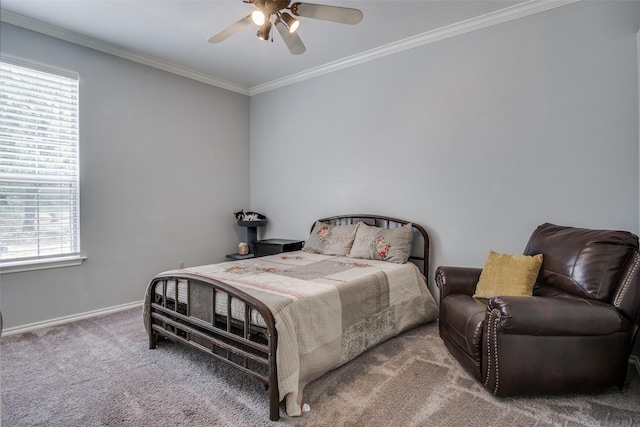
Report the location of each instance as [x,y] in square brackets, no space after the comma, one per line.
[181,264]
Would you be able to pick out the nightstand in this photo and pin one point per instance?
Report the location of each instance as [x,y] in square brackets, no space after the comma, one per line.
[276,246]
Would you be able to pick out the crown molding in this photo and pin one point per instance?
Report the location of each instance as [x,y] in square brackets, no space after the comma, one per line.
[494,18]
[508,14]
[92,43]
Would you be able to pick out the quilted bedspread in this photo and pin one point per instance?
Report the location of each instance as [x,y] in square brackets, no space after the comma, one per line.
[327,309]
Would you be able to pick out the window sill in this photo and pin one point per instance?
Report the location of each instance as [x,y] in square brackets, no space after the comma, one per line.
[40,264]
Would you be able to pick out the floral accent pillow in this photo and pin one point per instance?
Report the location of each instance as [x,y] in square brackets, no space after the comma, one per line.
[393,245]
[331,239]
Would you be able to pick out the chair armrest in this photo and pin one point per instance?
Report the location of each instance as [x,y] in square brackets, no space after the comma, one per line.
[546,316]
[627,297]
[457,280]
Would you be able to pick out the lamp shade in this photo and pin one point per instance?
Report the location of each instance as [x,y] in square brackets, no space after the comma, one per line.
[258,17]
[290,22]
[264,30]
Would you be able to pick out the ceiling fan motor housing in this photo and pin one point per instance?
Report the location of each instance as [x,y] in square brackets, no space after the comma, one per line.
[269,7]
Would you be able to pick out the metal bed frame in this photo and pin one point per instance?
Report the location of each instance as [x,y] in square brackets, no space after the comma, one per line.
[237,342]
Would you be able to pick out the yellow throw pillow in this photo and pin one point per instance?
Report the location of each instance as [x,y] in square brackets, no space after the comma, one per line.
[504,275]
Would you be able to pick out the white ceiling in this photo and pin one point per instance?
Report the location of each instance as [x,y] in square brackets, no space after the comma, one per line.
[172,34]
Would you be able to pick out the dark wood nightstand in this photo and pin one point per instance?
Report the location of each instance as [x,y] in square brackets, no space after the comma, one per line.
[276,246]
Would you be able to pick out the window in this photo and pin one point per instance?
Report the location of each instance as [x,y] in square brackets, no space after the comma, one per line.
[39,188]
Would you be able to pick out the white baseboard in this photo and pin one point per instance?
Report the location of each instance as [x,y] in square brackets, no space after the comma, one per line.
[67,319]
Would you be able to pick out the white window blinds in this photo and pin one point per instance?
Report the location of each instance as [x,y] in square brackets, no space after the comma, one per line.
[39,189]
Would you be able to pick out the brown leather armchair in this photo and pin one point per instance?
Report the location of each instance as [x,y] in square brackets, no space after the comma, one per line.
[575,334]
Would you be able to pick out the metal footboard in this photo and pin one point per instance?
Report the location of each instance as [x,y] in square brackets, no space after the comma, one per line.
[198,312]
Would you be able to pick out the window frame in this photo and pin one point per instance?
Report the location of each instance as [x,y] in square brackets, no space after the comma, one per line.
[71,202]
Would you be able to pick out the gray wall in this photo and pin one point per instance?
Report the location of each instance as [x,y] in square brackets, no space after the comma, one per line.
[479,138]
[164,163]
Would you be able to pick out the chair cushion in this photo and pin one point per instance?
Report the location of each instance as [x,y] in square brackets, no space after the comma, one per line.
[508,275]
[462,320]
[583,262]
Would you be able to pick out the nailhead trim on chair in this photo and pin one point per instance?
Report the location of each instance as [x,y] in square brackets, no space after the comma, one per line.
[439,282]
[494,320]
[627,280]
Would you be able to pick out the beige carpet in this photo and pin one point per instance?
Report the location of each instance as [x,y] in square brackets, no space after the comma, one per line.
[99,372]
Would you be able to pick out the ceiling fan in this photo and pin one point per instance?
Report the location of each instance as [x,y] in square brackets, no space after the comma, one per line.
[272,12]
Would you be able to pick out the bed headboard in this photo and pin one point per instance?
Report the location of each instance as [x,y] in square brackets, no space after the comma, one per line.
[419,251]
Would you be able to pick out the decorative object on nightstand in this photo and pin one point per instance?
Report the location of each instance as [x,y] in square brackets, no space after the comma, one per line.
[243,248]
[276,246]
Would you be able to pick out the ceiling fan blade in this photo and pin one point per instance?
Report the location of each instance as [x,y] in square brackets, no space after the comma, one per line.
[292,40]
[231,30]
[343,15]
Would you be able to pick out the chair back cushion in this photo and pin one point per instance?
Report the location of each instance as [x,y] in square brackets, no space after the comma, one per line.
[583,262]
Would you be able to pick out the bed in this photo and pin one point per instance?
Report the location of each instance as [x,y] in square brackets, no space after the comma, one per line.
[286,319]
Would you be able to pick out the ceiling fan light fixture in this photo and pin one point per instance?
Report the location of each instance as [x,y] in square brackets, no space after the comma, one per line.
[264,31]
[274,12]
[258,18]
[289,21]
